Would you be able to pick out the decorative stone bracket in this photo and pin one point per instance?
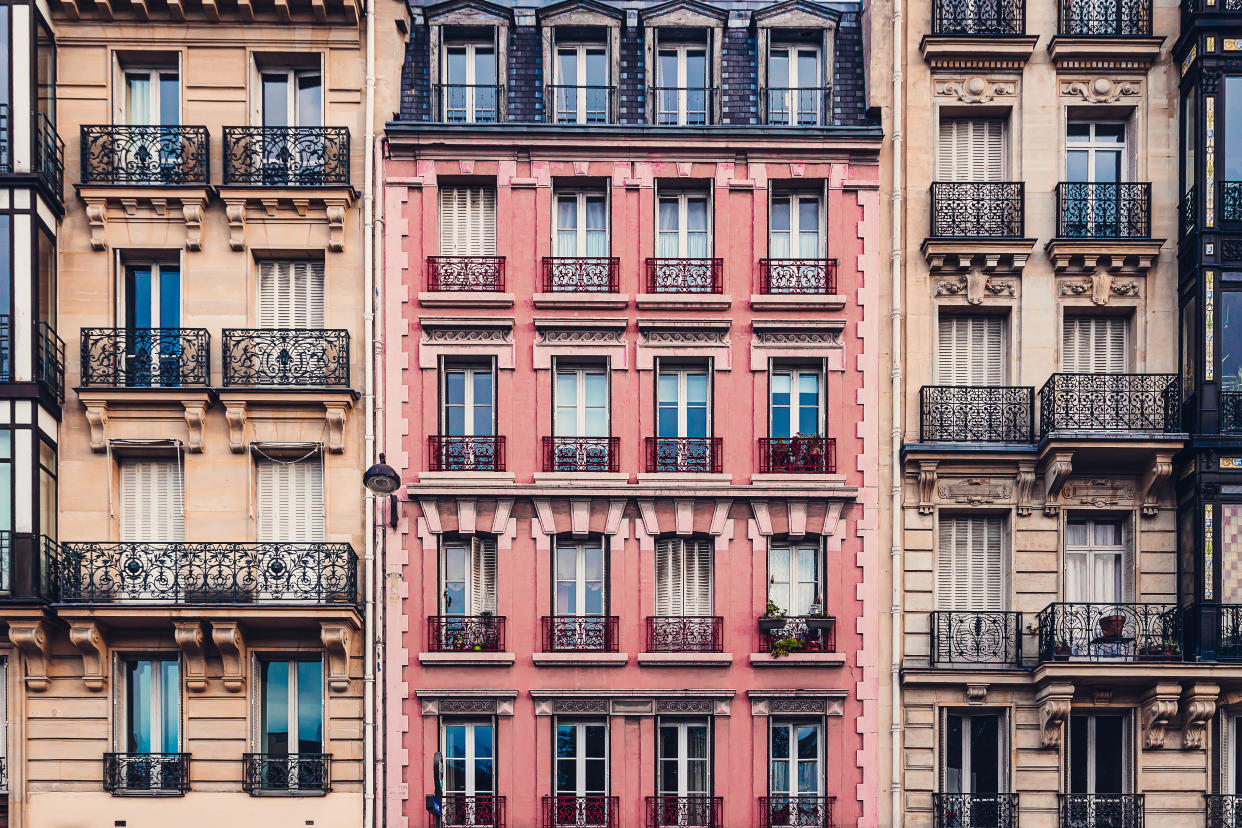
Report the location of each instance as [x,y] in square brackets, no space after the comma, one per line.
[1159,707]
[192,208]
[336,414]
[927,486]
[1198,708]
[1154,478]
[88,638]
[33,638]
[227,636]
[1025,486]
[1056,473]
[1054,702]
[335,638]
[191,637]
[97,418]
[236,209]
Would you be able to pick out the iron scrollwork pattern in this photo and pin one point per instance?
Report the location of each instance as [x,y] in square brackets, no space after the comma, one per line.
[170,155]
[460,633]
[263,156]
[580,633]
[582,454]
[49,156]
[290,773]
[580,811]
[797,811]
[1231,411]
[1105,18]
[970,638]
[50,359]
[1229,643]
[685,633]
[813,633]
[581,274]
[1110,402]
[453,453]
[166,773]
[1231,200]
[1188,214]
[454,273]
[478,811]
[978,209]
[1104,210]
[1101,810]
[145,357]
[1223,810]
[978,17]
[797,455]
[684,275]
[958,810]
[6,348]
[6,163]
[976,414]
[684,811]
[684,454]
[316,357]
[798,276]
[1106,632]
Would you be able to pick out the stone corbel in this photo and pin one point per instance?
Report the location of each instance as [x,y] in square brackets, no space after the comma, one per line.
[1159,707]
[1154,478]
[227,636]
[335,638]
[235,416]
[195,410]
[88,638]
[336,414]
[336,226]
[97,419]
[1025,488]
[1058,471]
[976,693]
[235,212]
[192,638]
[34,639]
[927,485]
[1198,708]
[97,217]
[1054,702]
[192,212]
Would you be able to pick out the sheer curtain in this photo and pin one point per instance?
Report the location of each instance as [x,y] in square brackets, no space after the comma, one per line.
[667,243]
[567,226]
[596,227]
[696,228]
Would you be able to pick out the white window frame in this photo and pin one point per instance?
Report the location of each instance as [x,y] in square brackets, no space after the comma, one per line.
[682,50]
[1091,550]
[122,730]
[792,759]
[471,758]
[474,549]
[683,199]
[791,551]
[1093,147]
[470,370]
[683,372]
[795,373]
[580,229]
[292,74]
[795,83]
[1127,750]
[471,81]
[683,760]
[795,231]
[579,406]
[153,73]
[580,758]
[156,282]
[1002,750]
[580,580]
[580,83]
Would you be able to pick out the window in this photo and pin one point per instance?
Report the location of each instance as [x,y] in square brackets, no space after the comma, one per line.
[6,497]
[467,221]
[683,577]
[1094,344]
[682,409]
[971,350]
[469,771]
[970,564]
[684,230]
[291,294]
[290,500]
[46,277]
[973,754]
[1190,141]
[468,395]
[291,97]
[152,296]
[582,768]
[291,148]
[685,767]
[152,725]
[1229,754]
[682,93]
[581,586]
[971,149]
[1230,332]
[470,94]
[796,402]
[1233,129]
[581,224]
[1099,756]
[796,765]
[152,502]
[795,578]
[468,567]
[152,97]
[796,227]
[1095,152]
[582,94]
[1099,565]
[291,725]
[581,401]
[795,86]
[48,489]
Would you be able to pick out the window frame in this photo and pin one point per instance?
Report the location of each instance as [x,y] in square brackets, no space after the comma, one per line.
[123,733]
[682,52]
[1127,757]
[581,228]
[820,584]
[795,226]
[1093,148]
[683,198]
[580,759]
[1002,749]
[581,405]
[291,712]
[471,757]
[1091,550]
[683,370]
[581,113]
[292,75]
[792,760]
[466,544]
[580,582]
[155,76]
[682,759]
[795,370]
[470,368]
[470,84]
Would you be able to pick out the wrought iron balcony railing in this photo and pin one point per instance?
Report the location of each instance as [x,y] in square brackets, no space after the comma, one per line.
[1103,632]
[146,773]
[209,573]
[798,276]
[1223,810]
[684,454]
[1212,632]
[684,275]
[450,453]
[579,633]
[1230,411]
[6,348]
[982,18]
[1110,402]
[581,811]
[978,209]
[262,156]
[958,810]
[161,155]
[29,568]
[1103,211]
[568,104]
[290,773]
[685,105]
[455,273]
[49,360]
[1104,18]
[581,274]
[803,106]
[463,633]
[6,162]
[582,454]
[961,638]
[802,634]
[460,103]
[1188,213]
[49,156]
[976,414]
[685,633]
[478,811]
[797,455]
[1100,810]
[1230,200]
[146,357]
[796,811]
[684,811]
[284,357]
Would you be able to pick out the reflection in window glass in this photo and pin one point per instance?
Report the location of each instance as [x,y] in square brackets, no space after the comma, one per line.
[1230,341]
[1233,128]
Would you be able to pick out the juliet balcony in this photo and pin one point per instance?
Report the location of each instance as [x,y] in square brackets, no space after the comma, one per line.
[478,811]
[130,774]
[465,454]
[974,638]
[570,104]
[979,18]
[685,634]
[702,455]
[465,633]
[582,454]
[797,455]
[579,633]
[581,274]
[957,810]
[286,357]
[684,811]
[1110,403]
[461,103]
[685,105]
[978,209]
[803,277]
[1112,19]
[303,156]
[680,275]
[1099,810]
[1223,810]
[466,273]
[797,811]
[287,774]
[798,634]
[145,155]
[805,106]
[581,812]
[145,357]
[976,414]
[1109,632]
[1104,210]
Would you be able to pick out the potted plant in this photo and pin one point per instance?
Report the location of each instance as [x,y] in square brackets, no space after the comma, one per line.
[773,619]
[1061,650]
[1112,625]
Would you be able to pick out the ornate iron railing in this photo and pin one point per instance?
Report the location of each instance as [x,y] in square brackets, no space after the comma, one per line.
[262,156]
[976,414]
[115,154]
[803,634]
[1223,810]
[797,455]
[146,773]
[4,774]
[582,454]
[684,811]
[293,773]
[685,633]
[1104,18]
[796,106]
[6,348]
[978,209]
[684,454]
[567,104]
[579,633]
[1231,200]
[461,633]
[797,811]
[449,453]
[1109,632]
[684,275]
[580,811]
[1187,212]
[316,357]
[1100,810]
[987,18]
[798,276]
[1110,402]
[49,156]
[454,273]
[1230,408]
[146,357]
[478,811]
[29,567]
[1103,211]
[6,163]
[962,638]
[690,106]
[460,103]
[957,810]
[50,359]
[1228,636]
[581,274]
[209,573]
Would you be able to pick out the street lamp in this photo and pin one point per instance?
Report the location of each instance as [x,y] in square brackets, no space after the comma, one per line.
[382,479]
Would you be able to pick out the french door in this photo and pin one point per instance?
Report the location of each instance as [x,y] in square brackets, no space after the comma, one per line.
[684,230]
[795,581]
[470,94]
[469,774]
[291,726]
[682,93]
[292,98]
[152,98]
[795,231]
[582,93]
[152,297]
[684,766]
[795,774]
[581,786]
[795,86]
[796,403]
[580,597]
[581,225]
[1099,756]
[152,724]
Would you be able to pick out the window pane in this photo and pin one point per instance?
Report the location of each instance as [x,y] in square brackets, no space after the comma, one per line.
[567,213]
[1231,341]
[484,67]
[455,388]
[778,69]
[696,69]
[696,214]
[596,68]
[170,103]
[310,104]
[276,100]
[1078,133]
[596,216]
[566,741]
[310,707]
[668,214]
[594,740]
[568,65]
[780,742]
[696,388]
[1233,128]
[276,706]
[780,213]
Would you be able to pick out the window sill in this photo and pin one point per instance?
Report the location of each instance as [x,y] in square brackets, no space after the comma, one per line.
[583,301]
[570,478]
[798,479]
[471,658]
[685,659]
[464,299]
[798,660]
[797,301]
[683,478]
[464,478]
[577,659]
[1144,48]
[287,794]
[689,301]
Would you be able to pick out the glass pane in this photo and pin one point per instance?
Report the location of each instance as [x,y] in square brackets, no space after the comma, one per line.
[566,741]
[666,68]
[455,388]
[1108,533]
[138,98]
[567,388]
[567,213]
[808,215]
[696,214]
[953,769]
[454,741]
[668,214]
[484,67]
[780,742]
[456,67]
[596,388]
[808,69]
[594,563]
[1076,533]
[276,100]
[1107,166]
[140,681]
[138,296]
[170,297]
[310,707]
[1076,166]
[566,598]
[596,68]
[778,70]
[696,69]
[567,64]
[170,99]
[596,776]
[696,742]
[594,740]
[567,563]
[1114,133]
[276,707]
[666,389]
[483,741]
[696,388]
[780,213]
[310,101]
[808,742]
[1077,133]
[984,754]
[596,215]
[567,422]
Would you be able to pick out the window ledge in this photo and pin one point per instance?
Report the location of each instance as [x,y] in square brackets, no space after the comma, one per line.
[798,660]
[570,478]
[583,301]
[464,658]
[798,479]
[464,478]
[679,301]
[973,47]
[577,659]
[685,659]
[797,301]
[464,299]
[1141,48]
[683,478]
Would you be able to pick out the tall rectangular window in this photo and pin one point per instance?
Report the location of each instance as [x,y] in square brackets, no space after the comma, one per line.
[468,572]
[152,501]
[970,564]
[1099,754]
[582,766]
[1095,344]
[683,95]
[971,350]
[290,500]
[796,578]
[581,224]
[291,725]
[581,401]
[581,585]
[469,770]
[467,221]
[796,764]
[971,149]
[682,402]
[796,227]
[582,94]
[683,226]
[48,489]
[1099,562]
[291,97]
[796,402]
[152,97]
[469,92]
[469,401]
[795,85]
[683,577]
[684,766]
[973,753]
[1233,128]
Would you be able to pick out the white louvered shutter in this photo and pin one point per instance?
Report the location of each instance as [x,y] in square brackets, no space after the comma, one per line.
[970,572]
[467,221]
[1094,344]
[483,574]
[698,586]
[971,149]
[668,577]
[152,502]
[290,501]
[971,350]
[291,294]
[1129,562]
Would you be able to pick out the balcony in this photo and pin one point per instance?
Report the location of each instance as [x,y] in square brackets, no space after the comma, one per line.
[666,275]
[1213,632]
[1104,211]
[464,633]
[480,811]
[317,574]
[684,811]
[1223,810]
[1100,810]
[810,277]
[1114,18]
[286,357]
[466,273]
[49,157]
[6,162]
[581,104]
[1188,210]
[146,773]
[466,454]
[973,638]
[804,106]
[49,360]
[580,811]
[28,568]
[797,634]
[797,455]
[153,155]
[978,209]
[261,156]
[460,103]
[582,454]
[145,357]
[797,811]
[581,274]
[684,105]
[976,414]
[1109,632]
[979,18]
[957,810]
[579,633]
[685,634]
[701,455]
[268,774]
[1110,403]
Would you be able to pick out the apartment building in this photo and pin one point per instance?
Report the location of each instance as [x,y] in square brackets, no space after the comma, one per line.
[629,323]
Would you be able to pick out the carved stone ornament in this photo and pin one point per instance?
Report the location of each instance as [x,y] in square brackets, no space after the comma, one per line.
[975,89]
[975,491]
[1055,701]
[485,706]
[974,285]
[1101,287]
[33,638]
[467,336]
[799,706]
[976,693]
[1025,481]
[582,706]
[684,706]
[1198,708]
[1101,89]
[688,336]
[1100,492]
[927,485]
[87,637]
[795,338]
[1159,707]
[581,336]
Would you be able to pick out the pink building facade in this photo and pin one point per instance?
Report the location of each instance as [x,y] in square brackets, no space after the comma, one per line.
[630,380]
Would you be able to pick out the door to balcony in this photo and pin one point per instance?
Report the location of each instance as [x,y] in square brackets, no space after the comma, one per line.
[580,599]
[1100,784]
[795,777]
[291,727]
[470,799]
[683,774]
[153,347]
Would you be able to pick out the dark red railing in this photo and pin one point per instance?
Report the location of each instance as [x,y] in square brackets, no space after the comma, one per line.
[800,276]
[685,275]
[464,633]
[581,454]
[580,811]
[457,273]
[579,633]
[684,811]
[685,634]
[581,274]
[812,634]
[797,455]
[684,454]
[796,811]
[445,453]
[460,811]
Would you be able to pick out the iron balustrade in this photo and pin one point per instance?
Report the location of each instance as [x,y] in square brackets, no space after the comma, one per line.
[580,811]
[6,348]
[973,637]
[666,275]
[146,357]
[582,454]
[978,209]
[684,811]
[684,105]
[796,106]
[1110,402]
[684,454]
[478,811]
[579,633]
[1223,810]
[4,774]
[581,274]
[685,633]
[976,413]
[49,156]
[456,273]
[287,773]
[797,811]
[817,277]
[804,634]
[797,455]
[50,360]
[1103,210]
[1229,633]
[283,357]
[975,810]
[1188,213]
[569,104]
[324,574]
[168,155]
[1231,200]
[463,633]
[1100,810]
[1230,411]
[452,453]
[146,773]
[29,567]
[985,18]
[1104,18]
[295,156]
[462,103]
[6,162]
[1109,632]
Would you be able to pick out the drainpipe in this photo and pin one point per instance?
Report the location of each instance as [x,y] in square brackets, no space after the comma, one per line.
[896,264]
[369,457]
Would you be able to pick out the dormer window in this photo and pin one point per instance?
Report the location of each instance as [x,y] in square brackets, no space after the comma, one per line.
[683,95]
[683,62]
[469,93]
[581,94]
[796,95]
